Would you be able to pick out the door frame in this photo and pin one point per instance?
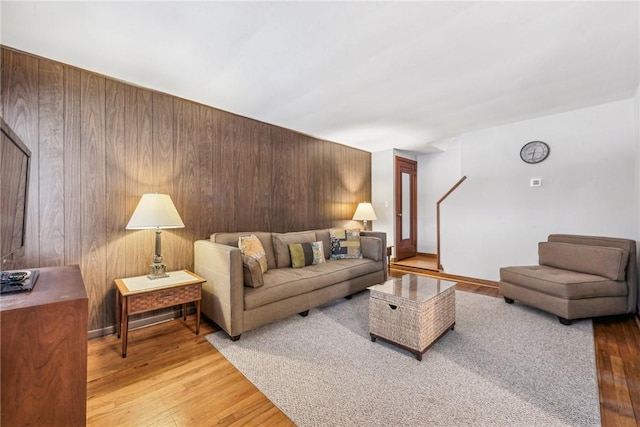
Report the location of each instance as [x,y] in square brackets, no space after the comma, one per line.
[406,248]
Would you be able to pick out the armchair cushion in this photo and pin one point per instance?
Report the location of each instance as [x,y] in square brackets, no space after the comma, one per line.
[562,283]
[602,261]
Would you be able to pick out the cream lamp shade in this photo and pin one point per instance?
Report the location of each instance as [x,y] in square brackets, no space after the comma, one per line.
[364,212]
[155,211]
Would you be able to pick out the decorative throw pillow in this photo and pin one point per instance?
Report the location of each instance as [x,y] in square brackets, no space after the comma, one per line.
[252,272]
[281,243]
[250,246]
[318,252]
[301,254]
[345,244]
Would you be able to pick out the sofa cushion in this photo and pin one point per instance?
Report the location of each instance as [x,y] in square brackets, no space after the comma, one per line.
[603,261]
[281,245]
[252,272]
[562,283]
[345,244]
[372,248]
[282,283]
[231,239]
[301,254]
[251,246]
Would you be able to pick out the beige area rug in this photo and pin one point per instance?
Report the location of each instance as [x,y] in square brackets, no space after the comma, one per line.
[503,365]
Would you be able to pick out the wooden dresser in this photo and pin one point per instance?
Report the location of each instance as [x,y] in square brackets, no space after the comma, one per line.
[43,340]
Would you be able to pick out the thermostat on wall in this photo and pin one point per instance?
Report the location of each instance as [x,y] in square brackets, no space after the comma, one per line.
[536,182]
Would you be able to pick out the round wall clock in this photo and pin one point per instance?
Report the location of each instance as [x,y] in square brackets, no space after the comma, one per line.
[534,152]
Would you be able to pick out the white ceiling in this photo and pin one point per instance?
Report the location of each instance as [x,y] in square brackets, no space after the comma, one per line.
[373,75]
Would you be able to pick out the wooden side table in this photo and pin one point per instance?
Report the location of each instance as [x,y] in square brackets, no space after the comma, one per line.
[140,294]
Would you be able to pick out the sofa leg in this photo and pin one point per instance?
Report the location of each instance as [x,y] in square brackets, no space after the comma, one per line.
[564,321]
[508,300]
[304,313]
[235,337]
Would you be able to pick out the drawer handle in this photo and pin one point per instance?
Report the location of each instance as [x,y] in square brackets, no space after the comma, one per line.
[393,307]
[161,297]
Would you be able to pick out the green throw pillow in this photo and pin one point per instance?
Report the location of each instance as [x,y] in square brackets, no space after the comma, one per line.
[301,254]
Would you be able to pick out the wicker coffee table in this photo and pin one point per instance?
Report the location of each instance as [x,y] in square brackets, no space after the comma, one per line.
[412,311]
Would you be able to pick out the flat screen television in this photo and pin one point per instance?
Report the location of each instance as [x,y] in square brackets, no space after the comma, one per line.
[15,160]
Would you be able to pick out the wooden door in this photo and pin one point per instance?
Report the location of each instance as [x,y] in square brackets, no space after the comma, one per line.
[406,183]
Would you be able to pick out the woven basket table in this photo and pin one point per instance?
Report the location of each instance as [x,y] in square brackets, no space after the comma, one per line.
[412,312]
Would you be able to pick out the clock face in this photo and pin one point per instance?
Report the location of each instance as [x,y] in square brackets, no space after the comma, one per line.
[534,152]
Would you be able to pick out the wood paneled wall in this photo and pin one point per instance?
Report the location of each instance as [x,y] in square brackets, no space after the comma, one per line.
[98,144]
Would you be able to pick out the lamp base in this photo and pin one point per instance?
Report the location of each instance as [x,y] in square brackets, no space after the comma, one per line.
[157,270]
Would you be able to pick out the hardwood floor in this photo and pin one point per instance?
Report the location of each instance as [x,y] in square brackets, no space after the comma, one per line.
[421,261]
[617,343]
[171,377]
[425,264]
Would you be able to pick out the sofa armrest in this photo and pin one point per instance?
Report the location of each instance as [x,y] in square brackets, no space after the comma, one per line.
[223,292]
[377,251]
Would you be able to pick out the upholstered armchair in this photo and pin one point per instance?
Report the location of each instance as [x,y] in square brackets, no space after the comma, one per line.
[577,277]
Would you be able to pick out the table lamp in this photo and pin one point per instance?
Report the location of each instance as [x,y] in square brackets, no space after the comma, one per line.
[364,213]
[155,211]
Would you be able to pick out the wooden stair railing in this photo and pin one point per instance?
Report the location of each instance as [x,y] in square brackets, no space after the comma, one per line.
[438,219]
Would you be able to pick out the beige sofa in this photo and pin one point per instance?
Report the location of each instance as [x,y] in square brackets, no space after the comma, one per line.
[577,277]
[234,304]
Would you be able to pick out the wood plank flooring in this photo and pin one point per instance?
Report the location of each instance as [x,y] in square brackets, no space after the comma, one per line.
[171,377]
[420,261]
[425,264]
